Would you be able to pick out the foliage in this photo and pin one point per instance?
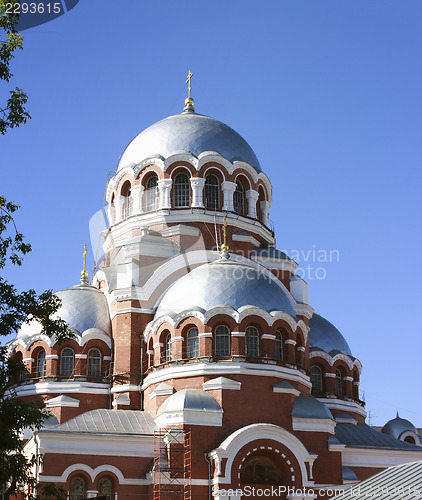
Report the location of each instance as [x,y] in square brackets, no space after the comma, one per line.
[15,309]
[13,113]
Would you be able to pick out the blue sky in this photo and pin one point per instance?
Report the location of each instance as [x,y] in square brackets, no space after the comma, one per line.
[327,93]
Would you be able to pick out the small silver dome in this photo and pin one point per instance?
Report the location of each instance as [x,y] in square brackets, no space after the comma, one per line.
[224,283]
[190,399]
[310,407]
[83,307]
[397,426]
[188,132]
[325,336]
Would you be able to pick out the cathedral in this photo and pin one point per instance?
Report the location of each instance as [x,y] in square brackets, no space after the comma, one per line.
[198,369]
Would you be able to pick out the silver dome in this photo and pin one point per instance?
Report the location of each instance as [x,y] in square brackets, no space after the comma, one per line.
[224,283]
[190,399]
[83,307]
[188,132]
[397,426]
[325,336]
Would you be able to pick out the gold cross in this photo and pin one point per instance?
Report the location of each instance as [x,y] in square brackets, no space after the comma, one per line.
[190,75]
[224,246]
[85,272]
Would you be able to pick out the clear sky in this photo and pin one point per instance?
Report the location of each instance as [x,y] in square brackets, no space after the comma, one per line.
[327,93]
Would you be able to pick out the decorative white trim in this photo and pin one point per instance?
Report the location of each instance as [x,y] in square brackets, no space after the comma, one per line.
[136,310]
[180,230]
[314,425]
[121,400]
[331,360]
[225,369]
[162,390]
[238,334]
[63,401]
[231,446]
[340,404]
[206,418]
[157,344]
[177,339]
[51,356]
[222,383]
[348,379]
[246,238]
[286,390]
[107,358]
[28,360]
[64,387]
[124,388]
[361,457]
[81,356]
[301,348]
[346,420]
[329,375]
[268,336]
[304,310]
[290,342]
[205,335]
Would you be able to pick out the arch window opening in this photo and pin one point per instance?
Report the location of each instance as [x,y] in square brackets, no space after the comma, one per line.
[94,363]
[67,362]
[252,342]
[128,204]
[193,343]
[105,488]
[316,379]
[77,488]
[152,194]
[41,364]
[278,354]
[299,352]
[260,470]
[212,192]
[181,191]
[239,198]
[339,383]
[222,341]
[168,349]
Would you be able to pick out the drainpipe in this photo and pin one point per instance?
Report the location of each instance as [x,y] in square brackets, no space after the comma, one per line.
[209,476]
[142,373]
[36,461]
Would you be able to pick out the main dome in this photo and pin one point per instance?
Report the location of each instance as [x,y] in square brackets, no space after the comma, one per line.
[188,132]
[224,283]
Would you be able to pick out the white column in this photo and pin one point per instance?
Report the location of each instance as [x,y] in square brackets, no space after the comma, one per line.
[197,185]
[164,186]
[252,197]
[118,203]
[228,190]
[265,209]
[111,214]
[137,194]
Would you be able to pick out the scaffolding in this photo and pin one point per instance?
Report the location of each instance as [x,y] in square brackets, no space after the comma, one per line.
[172,471]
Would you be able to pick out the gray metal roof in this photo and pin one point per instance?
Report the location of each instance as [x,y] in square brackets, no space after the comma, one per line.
[190,399]
[325,336]
[363,436]
[104,421]
[397,426]
[395,483]
[309,407]
[224,283]
[188,132]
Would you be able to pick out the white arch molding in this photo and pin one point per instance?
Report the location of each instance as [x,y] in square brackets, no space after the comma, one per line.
[231,446]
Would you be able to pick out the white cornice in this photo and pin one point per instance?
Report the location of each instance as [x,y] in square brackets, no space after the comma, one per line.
[304,310]
[379,458]
[347,406]
[224,369]
[222,383]
[314,425]
[64,387]
[246,238]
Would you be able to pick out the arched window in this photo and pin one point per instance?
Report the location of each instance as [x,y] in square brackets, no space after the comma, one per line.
[152,194]
[278,354]
[168,348]
[41,364]
[316,379]
[94,363]
[212,192]
[105,488]
[222,341]
[355,385]
[181,191]
[239,199]
[193,343]
[67,362]
[252,342]
[339,383]
[410,439]
[261,198]
[260,469]
[128,204]
[77,488]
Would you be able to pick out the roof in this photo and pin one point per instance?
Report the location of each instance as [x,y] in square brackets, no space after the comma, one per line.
[190,399]
[224,283]
[83,307]
[268,253]
[363,436]
[310,407]
[104,421]
[326,337]
[397,426]
[400,481]
[188,132]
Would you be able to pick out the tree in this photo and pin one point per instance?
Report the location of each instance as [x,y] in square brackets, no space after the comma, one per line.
[13,113]
[17,308]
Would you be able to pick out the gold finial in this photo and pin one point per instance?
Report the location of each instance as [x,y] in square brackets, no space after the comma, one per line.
[224,246]
[84,273]
[189,101]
